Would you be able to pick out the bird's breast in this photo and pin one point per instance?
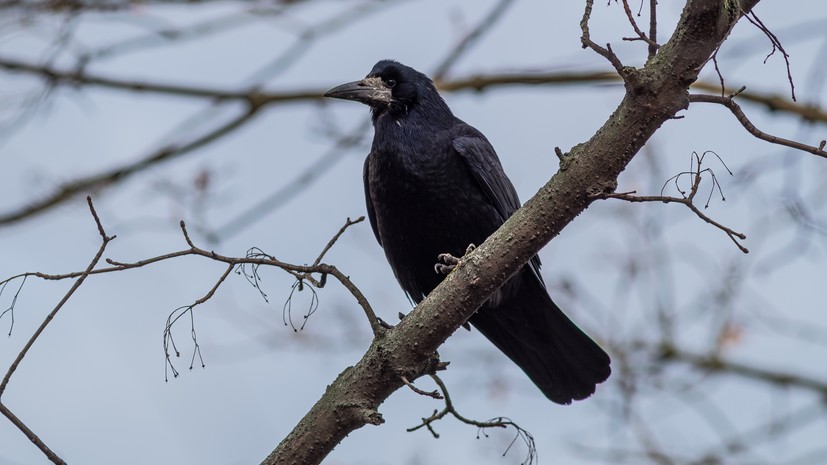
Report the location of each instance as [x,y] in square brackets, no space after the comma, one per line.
[424,207]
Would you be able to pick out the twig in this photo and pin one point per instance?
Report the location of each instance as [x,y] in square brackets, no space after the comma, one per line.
[653,46]
[336,237]
[20,356]
[432,394]
[718,71]
[653,28]
[254,258]
[10,309]
[177,314]
[587,42]
[688,200]
[734,235]
[499,422]
[287,310]
[776,45]
[81,278]
[742,118]
[31,435]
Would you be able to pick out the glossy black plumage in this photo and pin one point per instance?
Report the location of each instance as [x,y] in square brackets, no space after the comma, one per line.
[434,184]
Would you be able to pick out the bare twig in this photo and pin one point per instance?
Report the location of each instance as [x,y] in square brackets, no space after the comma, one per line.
[718,71]
[22,354]
[432,394]
[498,422]
[732,234]
[742,118]
[10,308]
[653,28]
[81,278]
[254,258]
[605,52]
[53,457]
[348,223]
[653,46]
[287,309]
[776,45]
[696,173]
[175,316]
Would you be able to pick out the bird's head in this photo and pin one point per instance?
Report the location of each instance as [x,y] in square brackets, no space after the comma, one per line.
[390,87]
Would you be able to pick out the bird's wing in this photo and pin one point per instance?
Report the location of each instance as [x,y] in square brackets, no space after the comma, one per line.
[481,159]
[369,201]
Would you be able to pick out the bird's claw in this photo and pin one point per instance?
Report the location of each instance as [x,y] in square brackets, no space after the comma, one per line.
[447,262]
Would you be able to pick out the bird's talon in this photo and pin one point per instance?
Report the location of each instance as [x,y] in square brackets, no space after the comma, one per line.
[449,262]
[440,268]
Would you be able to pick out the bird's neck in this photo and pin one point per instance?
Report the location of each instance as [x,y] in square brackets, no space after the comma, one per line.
[414,117]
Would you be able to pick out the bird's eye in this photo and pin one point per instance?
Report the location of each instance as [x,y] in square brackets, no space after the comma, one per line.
[390,82]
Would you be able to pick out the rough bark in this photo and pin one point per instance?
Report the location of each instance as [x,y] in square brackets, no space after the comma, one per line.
[654,95]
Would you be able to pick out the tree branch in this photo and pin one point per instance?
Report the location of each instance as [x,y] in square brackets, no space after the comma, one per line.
[736,110]
[696,174]
[49,453]
[106,178]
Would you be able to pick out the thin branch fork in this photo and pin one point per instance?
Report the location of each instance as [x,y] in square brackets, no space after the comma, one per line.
[305,272]
[653,45]
[254,258]
[81,278]
[51,455]
[687,200]
[301,272]
[736,110]
[587,42]
[499,422]
[734,235]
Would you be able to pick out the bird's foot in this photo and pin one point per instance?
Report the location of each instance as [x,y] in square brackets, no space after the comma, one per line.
[447,262]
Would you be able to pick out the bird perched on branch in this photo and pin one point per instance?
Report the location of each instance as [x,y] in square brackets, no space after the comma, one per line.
[434,185]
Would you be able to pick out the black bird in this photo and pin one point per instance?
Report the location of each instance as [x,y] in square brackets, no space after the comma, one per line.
[433,185]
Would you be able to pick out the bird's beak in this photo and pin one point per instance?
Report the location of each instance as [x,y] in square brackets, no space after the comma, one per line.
[370,91]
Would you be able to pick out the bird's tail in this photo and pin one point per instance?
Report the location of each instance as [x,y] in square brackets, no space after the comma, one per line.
[533,332]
